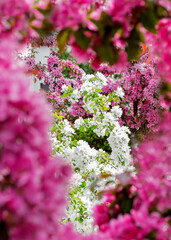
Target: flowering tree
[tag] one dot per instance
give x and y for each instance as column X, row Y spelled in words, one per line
column 111, row 33
column 97, row 146
column 140, row 82
column 84, row 124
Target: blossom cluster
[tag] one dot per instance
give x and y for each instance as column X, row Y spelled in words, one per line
column 113, row 26
column 56, row 73
column 161, row 41
column 24, row 19
column 141, row 110
column 32, row 184
column 96, row 146
column 141, row 84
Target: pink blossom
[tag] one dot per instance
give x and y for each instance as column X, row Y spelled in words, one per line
column 32, row 185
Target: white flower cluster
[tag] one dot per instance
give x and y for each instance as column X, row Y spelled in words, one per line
column 96, row 146
column 118, row 135
column 91, row 82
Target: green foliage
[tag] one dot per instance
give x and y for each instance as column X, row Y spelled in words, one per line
column 133, row 48
column 93, row 140
column 149, row 19
column 86, row 67
column 63, row 38
column 81, row 39
column 68, row 92
column 107, row 52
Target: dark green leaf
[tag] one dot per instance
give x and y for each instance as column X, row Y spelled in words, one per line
column 161, row 11
column 107, row 53
column 45, row 11
column 81, row 39
column 105, row 18
column 126, row 205
column 63, row 38
column 149, row 20
column 133, row 48
column 152, row 235
column 45, row 29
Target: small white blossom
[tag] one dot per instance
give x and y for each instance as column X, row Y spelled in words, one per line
column 78, row 123
column 117, row 111
column 120, row 92
column 64, row 88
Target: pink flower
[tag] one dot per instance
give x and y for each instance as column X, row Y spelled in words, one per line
column 32, row 185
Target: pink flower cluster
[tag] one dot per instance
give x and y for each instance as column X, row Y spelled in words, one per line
column 141, row 83
column 57, row 73
column 121, row 12
column 32, row 185
column 94, row 27
column 13, row 16
column 70, row 13
column 25, row 18
column 161, row 46
column 154, row 160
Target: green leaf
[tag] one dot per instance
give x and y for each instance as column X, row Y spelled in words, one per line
column 60, row 117
column 116, row 29
column 126, row 205
column 70, row 88
column 64, row 95
column 105, row 18
column 152, row 235
column 93, row 127
column 80, row 220
column 149, row 19
column 46, row 28
column 59, row 138
column 107, row 133
column 78, row 199
column 98, row 90
column 99, row 25
column 107, row 53
column 133, row 48
column 77, row 169
column 63, row 37
column 83, row 184
column 45, row 11
column 161, row 12
column 81, row 39
column 104, row 24
column 86, row 98
column 84, row 93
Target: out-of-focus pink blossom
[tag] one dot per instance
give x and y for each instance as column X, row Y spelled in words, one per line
column 32, row 185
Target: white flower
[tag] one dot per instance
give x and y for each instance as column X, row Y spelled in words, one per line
column 78, row 122
column 120, row 92
column 117, row 111
column 64, row 88
column 76, row 94
column 102, row 77
column 87, row 77
column 67, row 128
